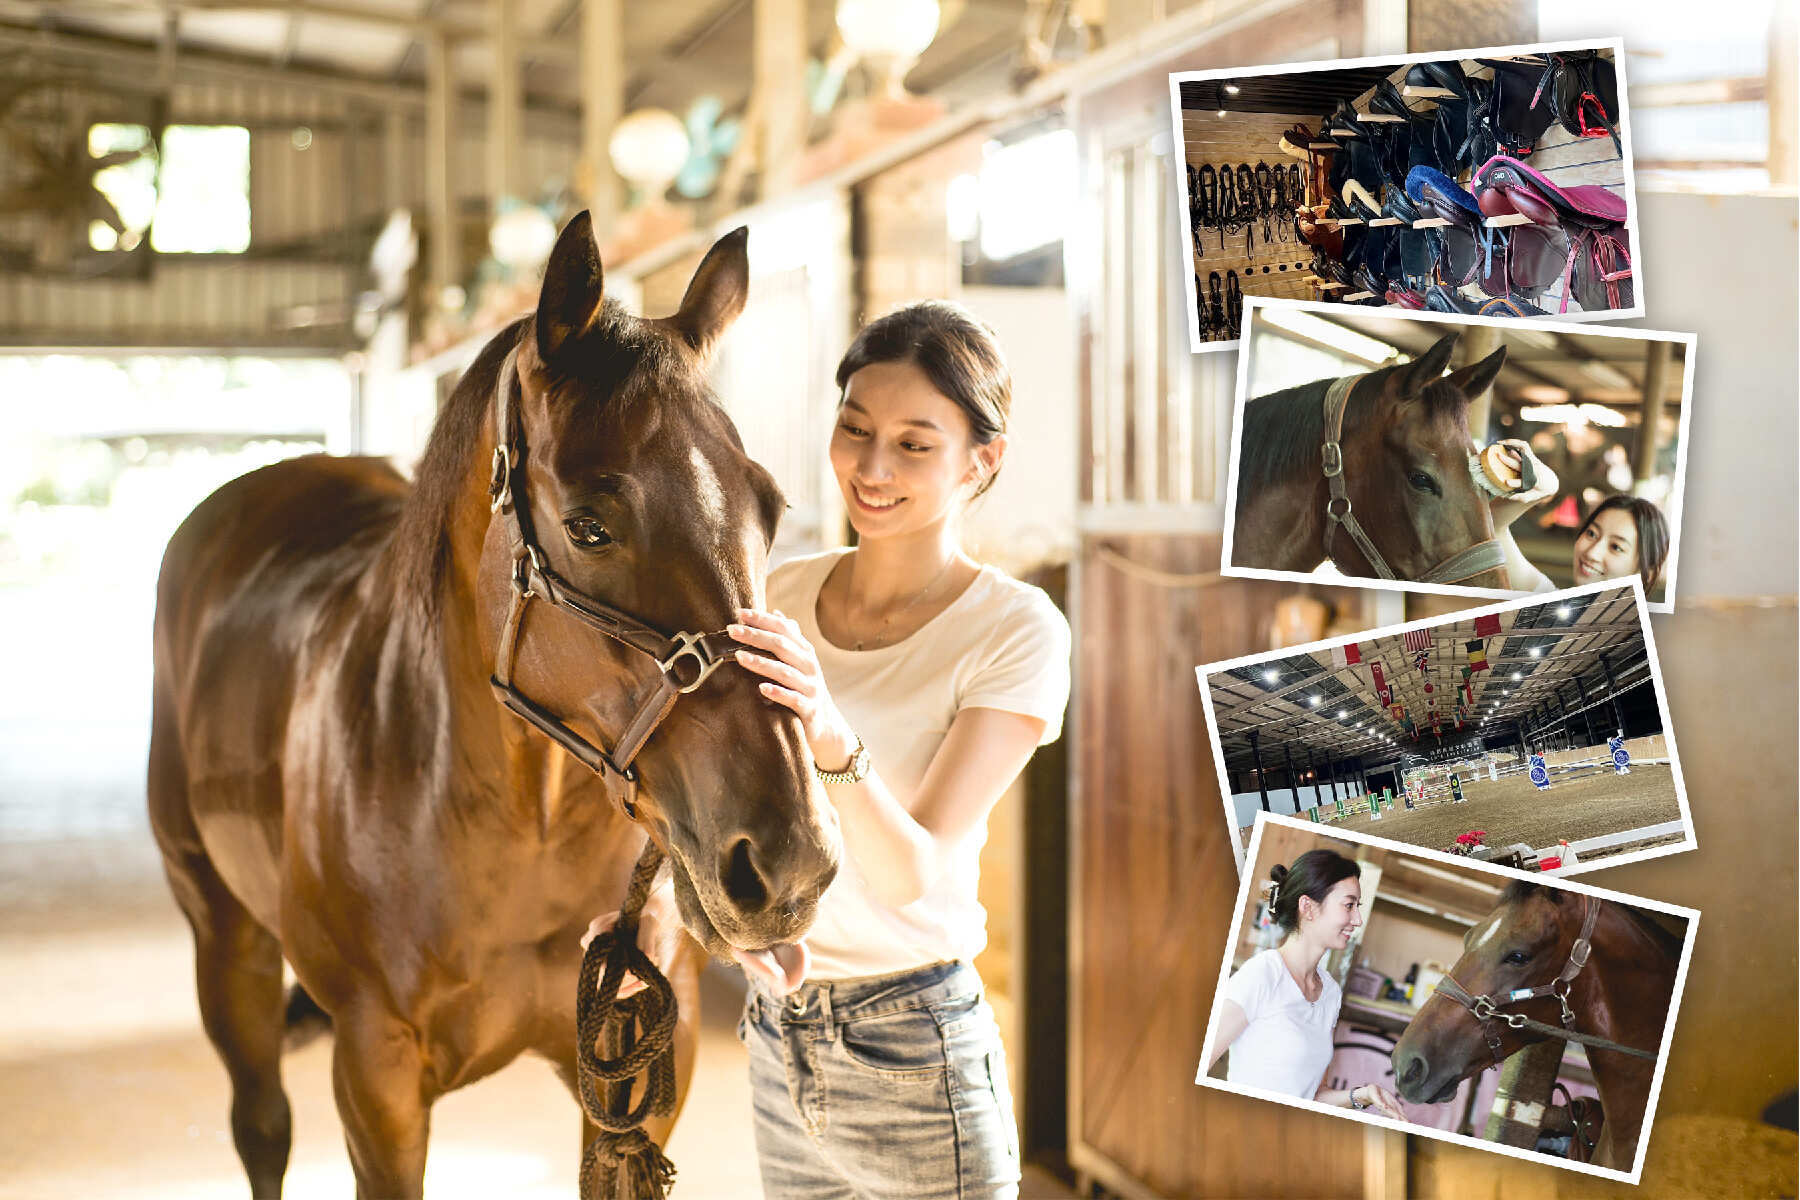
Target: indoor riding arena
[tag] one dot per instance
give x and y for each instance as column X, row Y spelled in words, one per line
column 271, row 240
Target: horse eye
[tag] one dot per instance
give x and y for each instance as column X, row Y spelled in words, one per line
column 587, row 533
column 1517, row 957
column 1423, row 483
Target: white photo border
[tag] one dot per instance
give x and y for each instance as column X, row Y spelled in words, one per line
column 1369, row 1117
column 1177, row 78
column 1252, row 313
column 1689, row 840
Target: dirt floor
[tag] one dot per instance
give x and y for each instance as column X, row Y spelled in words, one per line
column 1511, row 810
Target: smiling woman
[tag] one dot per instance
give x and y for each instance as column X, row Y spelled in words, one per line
column 1277, row 1013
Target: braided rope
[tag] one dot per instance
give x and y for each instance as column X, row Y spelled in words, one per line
column 638, row 1038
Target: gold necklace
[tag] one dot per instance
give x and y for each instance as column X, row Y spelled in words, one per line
column 881, row 632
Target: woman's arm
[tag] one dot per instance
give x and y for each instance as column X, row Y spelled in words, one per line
column 1232, row 1023
column 900, row 851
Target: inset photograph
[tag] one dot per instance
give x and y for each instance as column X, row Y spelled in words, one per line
column 1447, row 998
column 1548, row 457
column 1483, row 181
column 1535, row 734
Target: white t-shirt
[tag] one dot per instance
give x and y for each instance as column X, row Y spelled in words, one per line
column 1287, row 1045
column 1000, row 644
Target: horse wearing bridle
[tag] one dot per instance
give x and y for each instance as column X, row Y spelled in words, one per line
column 1548, row 963
column 1374, row 473
column 405, row 736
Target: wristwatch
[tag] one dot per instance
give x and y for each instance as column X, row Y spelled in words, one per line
column 855, row 771
column 1359, row 1105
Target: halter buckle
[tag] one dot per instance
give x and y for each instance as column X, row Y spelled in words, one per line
column 1333, row 454
column 500, row 481
column 1578, row 956
column 688, row 646
column 525, row 559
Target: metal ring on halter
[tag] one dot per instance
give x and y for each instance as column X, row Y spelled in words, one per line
column 689, row 646
column 1334, row 513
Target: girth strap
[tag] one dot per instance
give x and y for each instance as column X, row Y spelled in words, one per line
column 1464, row 564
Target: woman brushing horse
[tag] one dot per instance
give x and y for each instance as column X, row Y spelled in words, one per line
column 1549, row 963
column 1371, row 473
column 376, row 708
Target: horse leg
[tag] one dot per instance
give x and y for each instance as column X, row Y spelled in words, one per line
column 379, row 1076
column 237, row 971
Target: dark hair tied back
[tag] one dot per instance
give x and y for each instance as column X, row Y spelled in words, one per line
column 1313, row 875
column 958, row 353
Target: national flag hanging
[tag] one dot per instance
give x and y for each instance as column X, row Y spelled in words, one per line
column 1488, row 626
column 1398, row 712
column 1422, row 661
column 1383, row 693
column 1352, row 654
column 1477, row 655
column 1418, row 639
column 1469, row 691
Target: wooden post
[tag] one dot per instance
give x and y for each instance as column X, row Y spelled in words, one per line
column 1262, row 784
column 1287, row 751
column 440, row 186
column 602, row 104
column 1525, row 1089
column 396, row 188
column 1479, row 341
column 1587, row 714
column 1649, row 439
column 504, row 107
column 1612, row 688
column 1784, row 139
column 778, row 53
column 1318, row 792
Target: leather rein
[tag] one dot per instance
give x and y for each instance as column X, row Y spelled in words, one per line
column 683, row 660
column 1486, row 1009
column 1464, row 564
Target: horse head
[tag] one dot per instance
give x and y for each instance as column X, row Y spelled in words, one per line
column 640, row 497
column 1407, row 465
column 1522, row 944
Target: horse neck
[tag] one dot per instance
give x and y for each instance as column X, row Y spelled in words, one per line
column 1625, row 967
column 1283, row 527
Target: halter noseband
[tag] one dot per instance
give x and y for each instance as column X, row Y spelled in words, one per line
column 1486, row 1009
column 684, row 660
column 1464, row 564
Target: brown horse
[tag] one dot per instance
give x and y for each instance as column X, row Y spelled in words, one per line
column 1620, row 992
column 1405, row 475
column 333, row 781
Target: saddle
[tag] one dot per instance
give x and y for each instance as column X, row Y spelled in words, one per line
column 1455, row 248
column 1582, row 85
column 1410, row 259
column 1518, row 112
column 1580, row 1119
column 1582, row 226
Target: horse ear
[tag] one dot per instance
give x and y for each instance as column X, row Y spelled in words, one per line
column 1428, row 366
column 572, row 290
column 1477, row 377
column 716, row 294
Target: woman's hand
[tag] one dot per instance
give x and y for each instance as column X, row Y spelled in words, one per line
column 659, row 934
column 1379, row 1099
column 792, row 678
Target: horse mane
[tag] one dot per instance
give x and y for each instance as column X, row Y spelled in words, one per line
column 1284, row 430
column 1664, row 941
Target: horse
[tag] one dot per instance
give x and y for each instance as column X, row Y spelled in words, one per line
column 1551, row 963
column 367, row 750
column 1386, row 457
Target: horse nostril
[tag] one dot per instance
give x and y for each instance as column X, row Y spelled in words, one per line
column 743, row 882
column 1413, row 1071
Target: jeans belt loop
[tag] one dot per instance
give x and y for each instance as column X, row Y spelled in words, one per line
column 827, row 1017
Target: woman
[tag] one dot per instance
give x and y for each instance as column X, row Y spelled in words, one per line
column 1279, row 1009
column 923, row 682
column 1621, row 536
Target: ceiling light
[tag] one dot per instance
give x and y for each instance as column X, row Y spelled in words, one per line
column 1271, row 675
column 1516, row 676
column 1327, row 333
column 1537, row 652
column 1562, row 610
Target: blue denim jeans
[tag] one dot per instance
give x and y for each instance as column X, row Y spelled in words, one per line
column 891, row 1087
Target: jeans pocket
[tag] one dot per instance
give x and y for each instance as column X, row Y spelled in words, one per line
column 901, row 1046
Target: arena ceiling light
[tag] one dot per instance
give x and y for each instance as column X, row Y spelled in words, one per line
column 1537, row 652
column 1271, row 675
column 1516, row 678
column 1563, row 611
column 1574, row 414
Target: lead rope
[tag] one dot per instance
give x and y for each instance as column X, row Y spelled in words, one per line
column 638, row 1032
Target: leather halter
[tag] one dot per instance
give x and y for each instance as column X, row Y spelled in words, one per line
column 1486, row 1008
column 1464, row 564
column 684, row 661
